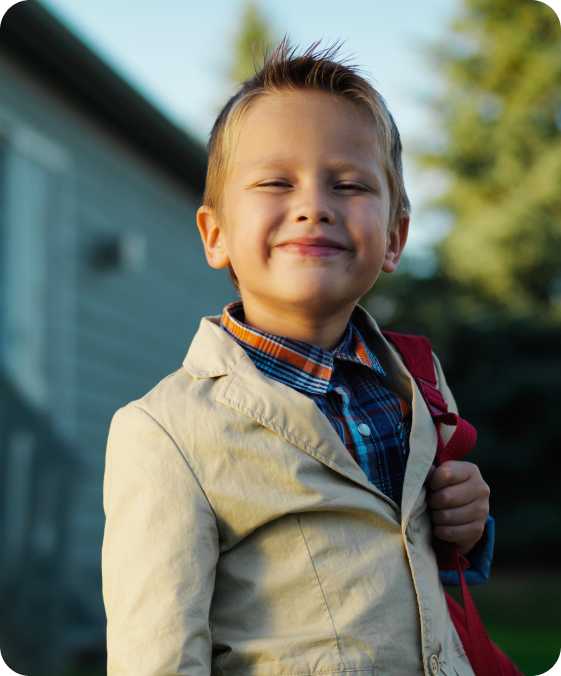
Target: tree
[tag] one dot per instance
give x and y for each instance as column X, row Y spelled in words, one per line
column 500, row 149
column 490, row 309
column 253, row 39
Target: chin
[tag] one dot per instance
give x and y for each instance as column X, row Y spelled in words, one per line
column 314, row 303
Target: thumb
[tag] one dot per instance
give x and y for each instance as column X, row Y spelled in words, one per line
column 429, row 475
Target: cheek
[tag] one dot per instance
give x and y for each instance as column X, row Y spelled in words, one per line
column 260, row 219
column 250, row 244
column 370, row 230
column 256, row 210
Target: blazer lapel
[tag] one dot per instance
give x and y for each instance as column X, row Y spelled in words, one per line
column 422, row 450
column 422, row 440
column 292, row 416
column 297, row 419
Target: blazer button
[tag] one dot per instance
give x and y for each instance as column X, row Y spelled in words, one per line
column 434, row 664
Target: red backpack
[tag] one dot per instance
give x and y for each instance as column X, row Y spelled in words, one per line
column 485, row 657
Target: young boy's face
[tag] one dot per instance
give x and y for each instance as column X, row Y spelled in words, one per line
column 306, row 207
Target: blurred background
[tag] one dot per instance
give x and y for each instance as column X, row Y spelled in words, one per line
column 104, row 116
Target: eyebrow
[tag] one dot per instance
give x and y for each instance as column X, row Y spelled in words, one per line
column 334, row 165
column 274, row 162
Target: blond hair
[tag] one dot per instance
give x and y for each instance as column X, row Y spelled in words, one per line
column 284, row 70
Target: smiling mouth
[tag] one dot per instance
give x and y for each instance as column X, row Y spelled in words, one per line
column 312, row 249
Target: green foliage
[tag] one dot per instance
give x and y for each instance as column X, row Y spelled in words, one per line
column 492, row 309
column 500, row 150
column 253, row 39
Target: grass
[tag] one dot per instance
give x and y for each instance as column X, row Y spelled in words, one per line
column 522, row 613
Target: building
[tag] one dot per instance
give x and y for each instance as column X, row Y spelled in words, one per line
column 103, row 284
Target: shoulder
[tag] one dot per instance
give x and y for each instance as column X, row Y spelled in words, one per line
column 186, row 408
column 177, row 395
column 181, row 409
column 150, row 459
column 184, row 401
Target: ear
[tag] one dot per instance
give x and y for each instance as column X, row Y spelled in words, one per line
column 212, row 235
column 397, row 237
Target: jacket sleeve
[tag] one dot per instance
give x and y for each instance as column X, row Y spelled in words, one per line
column 481, row 556
column 159, row 553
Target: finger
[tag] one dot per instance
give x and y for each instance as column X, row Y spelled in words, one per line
column 452, row 472
column 460, row 535
column 429, row 474
column 459, row 495
column 452, row 496
column 475, row 512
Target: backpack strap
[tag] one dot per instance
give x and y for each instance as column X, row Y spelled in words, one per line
column 416, row 352
column 485, row 657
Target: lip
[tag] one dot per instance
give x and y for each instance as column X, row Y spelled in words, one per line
column 314, row 247
column 314, row 242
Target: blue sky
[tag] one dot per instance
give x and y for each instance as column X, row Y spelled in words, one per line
column 176, row 53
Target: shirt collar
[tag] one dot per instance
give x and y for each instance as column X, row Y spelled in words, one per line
column 306, row 367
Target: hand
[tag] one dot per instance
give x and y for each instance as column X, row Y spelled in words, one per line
column 459, row 502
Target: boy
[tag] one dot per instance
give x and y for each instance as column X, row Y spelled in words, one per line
column 266, row 508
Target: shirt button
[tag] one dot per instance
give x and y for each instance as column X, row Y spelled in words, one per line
column 434, row 664
column 364, row 429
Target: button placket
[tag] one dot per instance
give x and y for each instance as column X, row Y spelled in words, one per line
column 363, row 428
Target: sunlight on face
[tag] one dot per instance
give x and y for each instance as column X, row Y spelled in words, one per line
column 306, row 204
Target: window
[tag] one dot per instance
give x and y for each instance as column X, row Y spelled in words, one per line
column 31, row 178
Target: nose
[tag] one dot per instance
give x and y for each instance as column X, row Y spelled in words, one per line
column 315, row 207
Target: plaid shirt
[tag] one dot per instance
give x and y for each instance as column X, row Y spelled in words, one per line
column 347, row 384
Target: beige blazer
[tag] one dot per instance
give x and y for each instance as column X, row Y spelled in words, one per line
column 242, row 539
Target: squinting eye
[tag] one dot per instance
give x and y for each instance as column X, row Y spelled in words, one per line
column 344, row 186
column 351, row 186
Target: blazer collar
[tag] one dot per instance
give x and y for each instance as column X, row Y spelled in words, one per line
column 212, row 352
column 296, row 418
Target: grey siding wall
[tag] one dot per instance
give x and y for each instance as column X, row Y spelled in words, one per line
column 105, row 285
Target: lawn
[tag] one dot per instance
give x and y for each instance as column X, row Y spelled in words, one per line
column 522, row 613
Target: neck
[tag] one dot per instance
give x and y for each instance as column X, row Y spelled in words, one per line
column 314, row 329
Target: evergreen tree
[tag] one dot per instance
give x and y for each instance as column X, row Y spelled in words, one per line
column 500, row 148
column 254, row 38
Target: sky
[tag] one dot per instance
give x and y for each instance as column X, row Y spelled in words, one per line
column 176, row 54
